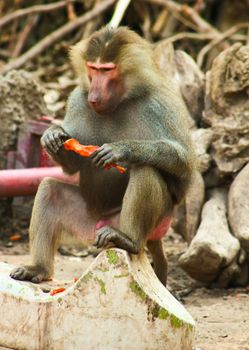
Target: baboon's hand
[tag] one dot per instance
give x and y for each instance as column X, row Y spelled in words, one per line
column 53, row 139
column 107, row 235
column 108, row 154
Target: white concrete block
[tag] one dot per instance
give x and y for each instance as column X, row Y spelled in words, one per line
column 117, row 303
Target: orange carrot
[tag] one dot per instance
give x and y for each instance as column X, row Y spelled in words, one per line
column 57, row 290
column 86, row 151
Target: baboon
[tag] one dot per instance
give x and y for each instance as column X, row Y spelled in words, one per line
column 123, row 104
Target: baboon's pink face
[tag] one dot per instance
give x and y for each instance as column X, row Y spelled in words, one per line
column 106, row 87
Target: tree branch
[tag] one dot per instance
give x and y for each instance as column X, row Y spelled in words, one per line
column 119, row 13
column 56, row 35
column 188, row 13
column 188, row 35
column 33, row 10
column 218, row 40
column 23, row 37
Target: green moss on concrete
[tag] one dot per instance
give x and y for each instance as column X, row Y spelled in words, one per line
column 112, row 257
column 190, row 327
column 159, row 312
column 103, row 269
column 101, row 284
column 155, row 310
column 137, row 290
column 122, row 275
column 87, row 277
column 175, row 321
column 163, row 314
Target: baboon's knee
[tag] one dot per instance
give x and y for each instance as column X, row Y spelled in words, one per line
column 48, row 191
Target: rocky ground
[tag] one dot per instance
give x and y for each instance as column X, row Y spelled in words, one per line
column 222, row 315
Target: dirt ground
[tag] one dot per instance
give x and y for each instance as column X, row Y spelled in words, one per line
column 222, row 316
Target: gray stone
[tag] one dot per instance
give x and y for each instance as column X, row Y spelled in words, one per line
column 213, row 248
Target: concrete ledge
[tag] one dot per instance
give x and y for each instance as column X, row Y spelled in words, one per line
column 118, row 303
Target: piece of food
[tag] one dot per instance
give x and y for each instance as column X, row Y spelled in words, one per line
column 86, row 151
column 15, row 237
column 57, row 290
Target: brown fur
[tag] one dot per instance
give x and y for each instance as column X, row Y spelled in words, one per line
column 121, row 47
column 146, row 133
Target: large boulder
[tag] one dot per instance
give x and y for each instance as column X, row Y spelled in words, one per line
column 227, row 108
column 21, row 99
column 238, row 207
column 213, row 248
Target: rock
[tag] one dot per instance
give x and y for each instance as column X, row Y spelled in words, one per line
column 184, row 76
column 57, row 107
column 187, row 216
column 51, row 97
column 214, row 178
column 202, row 139
column 194, row 203
column 235, row 274
column 191, row 81
column 227, row 275
column 213, row 248
column 241, row 279
column 238, row 207
column 21, row 98
column 165, row 57
column 227, row 108
column 66, row 83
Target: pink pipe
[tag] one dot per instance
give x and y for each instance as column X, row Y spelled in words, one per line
column 24, row 182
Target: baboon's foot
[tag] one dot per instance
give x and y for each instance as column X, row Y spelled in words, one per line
column 35, row 274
